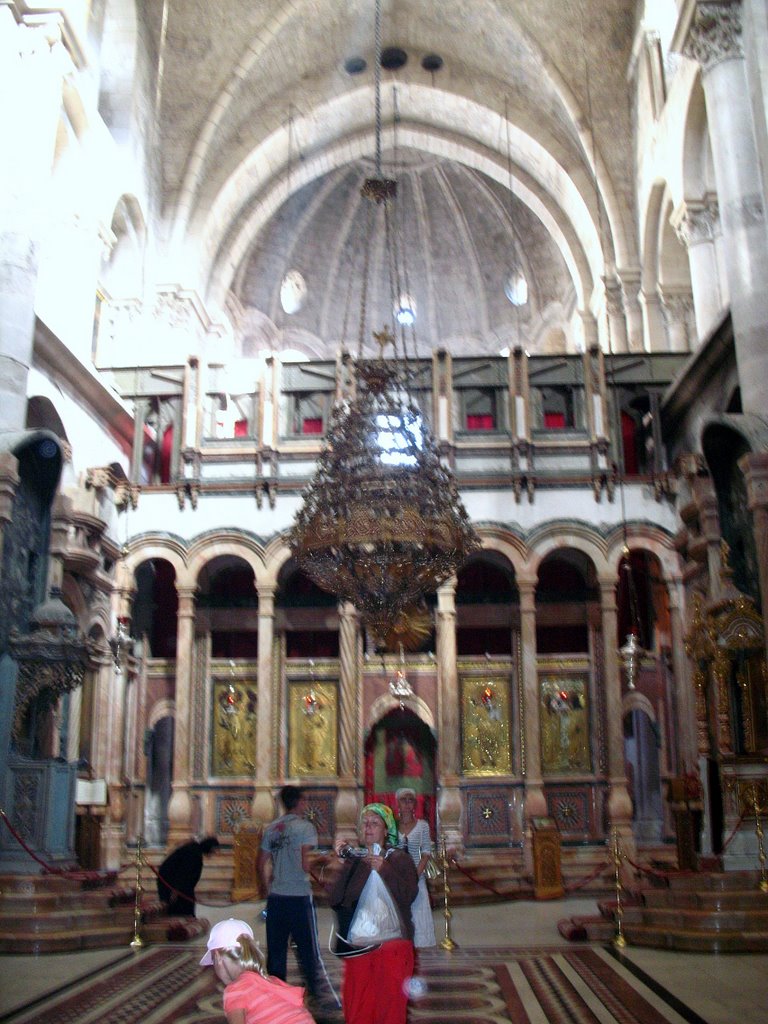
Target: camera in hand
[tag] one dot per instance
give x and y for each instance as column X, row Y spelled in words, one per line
column 348, row 852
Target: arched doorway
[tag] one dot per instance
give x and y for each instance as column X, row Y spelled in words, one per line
column 400, row 751
column 643, row 767
column 158, row 747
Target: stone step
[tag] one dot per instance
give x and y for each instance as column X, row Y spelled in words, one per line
column 103, row 936
column 673, row 920
column 72, row 919
column 716, row 881
column 712, row 900
column 704, row 941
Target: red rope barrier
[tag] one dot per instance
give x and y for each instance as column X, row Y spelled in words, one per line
column 588, row 878
column 522, row 894
column 77, row 875
column 246, row 899
column 736, row 828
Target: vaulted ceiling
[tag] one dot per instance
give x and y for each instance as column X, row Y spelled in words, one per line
column 519, row 142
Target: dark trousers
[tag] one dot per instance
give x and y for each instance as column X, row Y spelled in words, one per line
column 293, row 917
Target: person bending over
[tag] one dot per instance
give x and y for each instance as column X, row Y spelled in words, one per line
column 250, row 995
column 179, row 874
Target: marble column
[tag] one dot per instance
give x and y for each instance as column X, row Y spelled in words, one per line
column 684, row 705
column 677, row 309
column 180, row 804
column 712, row 35
column 630, row 287
column 449, row 803
column 617, row 323
column 754, row 466
column 263, row 806
column 696, row 224
column 535, row 802
column 589, row 329
column 350, row 724
column 619, row 802
column 655, row 331
column 33, row 62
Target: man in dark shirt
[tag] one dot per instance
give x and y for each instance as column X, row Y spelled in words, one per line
column 179, row 874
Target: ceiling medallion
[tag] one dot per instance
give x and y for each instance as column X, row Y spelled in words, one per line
column 382, row 522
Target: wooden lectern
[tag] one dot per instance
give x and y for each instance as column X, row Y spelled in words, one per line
column 547, row 874
column 245, row 886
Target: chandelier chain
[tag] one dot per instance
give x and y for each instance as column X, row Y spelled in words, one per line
column 377, row 86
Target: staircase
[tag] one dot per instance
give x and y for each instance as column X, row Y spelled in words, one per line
column 704, row 912
column 53, row 914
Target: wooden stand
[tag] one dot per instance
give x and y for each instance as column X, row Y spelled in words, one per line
column 246, row 851
column 547, row 873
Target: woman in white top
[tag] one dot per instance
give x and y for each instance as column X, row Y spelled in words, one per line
column 413, row 835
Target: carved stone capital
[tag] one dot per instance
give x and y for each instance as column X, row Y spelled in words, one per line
column 696, row 222
column 614, row 298
column 755, row 468
column 677, row 306
column 714, row 34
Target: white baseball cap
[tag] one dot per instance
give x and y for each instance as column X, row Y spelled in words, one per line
column 224, row 935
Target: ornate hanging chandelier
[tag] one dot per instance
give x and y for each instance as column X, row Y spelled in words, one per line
column 381, row 523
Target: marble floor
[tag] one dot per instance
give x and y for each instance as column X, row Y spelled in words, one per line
column 718, row 989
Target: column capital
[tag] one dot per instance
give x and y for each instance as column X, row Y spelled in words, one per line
column 266, row 601
column 676, row 304
column 614, row 297
column 348, row 611
column 608, row 585
column 186, row 597
column 709, row 32
column 526, row 588
column 754, row 466
column 696, row 221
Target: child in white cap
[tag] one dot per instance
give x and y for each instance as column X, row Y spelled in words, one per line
column 251, row 996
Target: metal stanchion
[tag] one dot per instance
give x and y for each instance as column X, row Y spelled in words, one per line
column 619, row 941
column 137, row 942
column 447, row 942
column 759, row 833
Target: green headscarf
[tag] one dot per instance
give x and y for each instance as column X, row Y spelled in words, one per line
column 385, row 813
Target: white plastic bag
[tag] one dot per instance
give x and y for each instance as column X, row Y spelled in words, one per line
column 376, row 917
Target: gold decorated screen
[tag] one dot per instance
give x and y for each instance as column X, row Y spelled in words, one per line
column 485, row 726
column 234, row 727
column 564, row 723
column 312, row 728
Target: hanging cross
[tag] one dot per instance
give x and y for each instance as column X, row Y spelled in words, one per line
column 383, row 338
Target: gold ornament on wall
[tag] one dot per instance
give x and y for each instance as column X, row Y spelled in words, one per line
column 564, row 724
column 234, row 726
column 313, row 728
column 485, row 727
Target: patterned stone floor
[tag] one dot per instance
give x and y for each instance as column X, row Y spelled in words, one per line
column 492, row 985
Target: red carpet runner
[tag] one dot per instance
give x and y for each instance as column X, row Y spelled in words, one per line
column 492, row 985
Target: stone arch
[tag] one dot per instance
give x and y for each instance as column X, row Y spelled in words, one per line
column 697, row 163
column 562, row 208
column 140, row 549
column 502, row 541
column 634, row 700
column 724, row 442
column 222, row 543
column 42, row 415
column 401, row 749
column 386, row 703
column 122, row 269
column 562, row 535
column 118, row 48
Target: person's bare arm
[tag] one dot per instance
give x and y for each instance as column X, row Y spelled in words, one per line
column 422, row 864
column 305, row 852
column 235, row 1017
column 264, row 871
